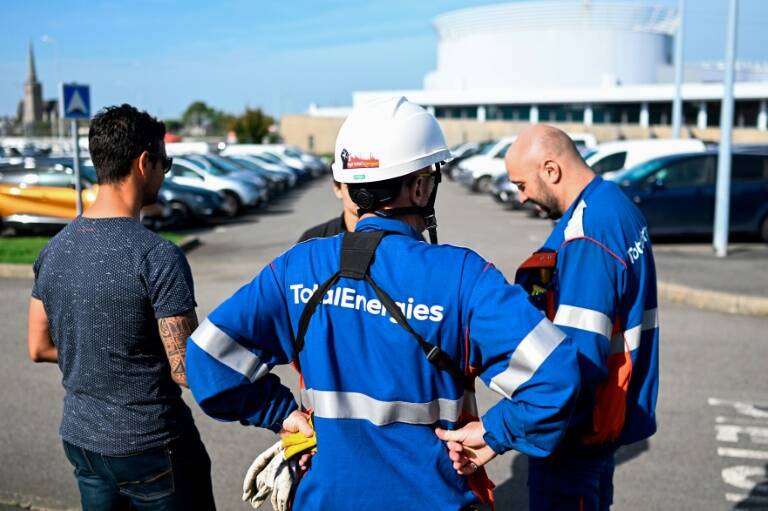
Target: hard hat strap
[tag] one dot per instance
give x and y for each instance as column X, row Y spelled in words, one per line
column 427, row 212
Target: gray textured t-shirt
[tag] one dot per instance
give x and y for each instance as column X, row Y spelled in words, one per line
column 104, row 283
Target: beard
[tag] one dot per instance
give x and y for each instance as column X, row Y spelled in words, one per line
column 548, row 203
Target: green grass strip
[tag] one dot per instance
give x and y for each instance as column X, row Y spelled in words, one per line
column 24, row 249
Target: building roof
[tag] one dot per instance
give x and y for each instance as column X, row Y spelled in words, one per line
column 614, row 94
column 548, row 15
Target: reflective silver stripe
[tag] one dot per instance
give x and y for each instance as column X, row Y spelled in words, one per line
column 630, row 339
column 354, row 405
column 584, row 319
column 532, row 351
column 227, row 351
column 575, row 226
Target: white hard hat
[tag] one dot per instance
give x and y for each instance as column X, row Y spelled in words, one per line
column 385, row 139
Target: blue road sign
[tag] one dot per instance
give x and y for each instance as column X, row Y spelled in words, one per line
column 76, row 101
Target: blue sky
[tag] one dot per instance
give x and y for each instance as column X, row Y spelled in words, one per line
column 279, row 55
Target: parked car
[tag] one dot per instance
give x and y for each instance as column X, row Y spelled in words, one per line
column 460, row 153
column 270, row 154
column 677, row 193
column 583, row 141
column 237, row 194
column 274, row 183
column 479, row 171
column 191, row 204
column 213, row 163
column 609, row 158
column 504, row 191
column 44, row 198
column 272, row 169
column 185, row 148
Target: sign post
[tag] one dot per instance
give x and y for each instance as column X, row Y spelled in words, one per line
column 76, row 104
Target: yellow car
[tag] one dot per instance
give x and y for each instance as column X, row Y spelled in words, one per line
column 40, row 198
column 43, row 198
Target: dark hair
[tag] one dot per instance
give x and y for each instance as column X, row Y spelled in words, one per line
column 118, row 134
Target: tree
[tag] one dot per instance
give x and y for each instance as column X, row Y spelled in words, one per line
column 252, row 126
column 200, row 116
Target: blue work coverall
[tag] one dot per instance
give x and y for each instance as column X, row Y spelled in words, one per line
column 374, row 396
column 605, row 299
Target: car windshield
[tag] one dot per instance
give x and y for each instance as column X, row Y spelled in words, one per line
column 641, row 171
column 248, row 164
column 586, row 152
column 486, row 147
column 269, row 157
column 293, row 153
column 223, row 163
column 209, row 166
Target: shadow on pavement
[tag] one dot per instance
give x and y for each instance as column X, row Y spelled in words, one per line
column 758, row 497
column 512, row 495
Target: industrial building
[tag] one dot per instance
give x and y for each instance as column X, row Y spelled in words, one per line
column 598, row 66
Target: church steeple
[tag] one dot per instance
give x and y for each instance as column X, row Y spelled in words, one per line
column 33, row 94
column 32, row 76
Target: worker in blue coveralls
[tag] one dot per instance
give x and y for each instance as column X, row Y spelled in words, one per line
column 388, row 332
column 595, row 278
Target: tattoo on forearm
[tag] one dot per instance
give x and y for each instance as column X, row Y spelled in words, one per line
column 174, row 332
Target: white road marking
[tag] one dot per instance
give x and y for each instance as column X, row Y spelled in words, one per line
column 748, row 409
column 731, row 432
column 743, row 477
column 730, row 452
column 743, row 421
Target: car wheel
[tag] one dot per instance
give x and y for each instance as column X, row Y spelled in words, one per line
column 231, row 204
column 483, row 184
column 180, row 211
column 764, row 229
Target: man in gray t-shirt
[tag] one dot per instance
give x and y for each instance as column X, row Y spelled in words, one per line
column 113, row 304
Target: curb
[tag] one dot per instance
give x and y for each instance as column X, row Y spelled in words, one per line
column 714, row 300
column 16, row 271
column 24, row 271
column 188, row 243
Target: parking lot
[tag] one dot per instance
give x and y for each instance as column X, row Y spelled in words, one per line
column 709, row 453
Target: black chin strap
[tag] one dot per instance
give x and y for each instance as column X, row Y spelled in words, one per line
column 426, row 212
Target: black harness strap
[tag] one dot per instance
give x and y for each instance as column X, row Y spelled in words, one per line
column 357, row 251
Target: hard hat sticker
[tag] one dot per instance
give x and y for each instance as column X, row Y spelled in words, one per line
column 356, row 162
column 359, row 176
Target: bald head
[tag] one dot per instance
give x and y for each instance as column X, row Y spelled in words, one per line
column 547, row 168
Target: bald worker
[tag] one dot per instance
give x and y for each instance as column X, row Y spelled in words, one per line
column 595, row 277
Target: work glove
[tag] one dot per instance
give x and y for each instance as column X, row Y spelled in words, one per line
column 276, row 472
column 270, row 475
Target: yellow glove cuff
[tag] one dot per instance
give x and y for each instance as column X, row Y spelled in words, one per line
column 294, row 443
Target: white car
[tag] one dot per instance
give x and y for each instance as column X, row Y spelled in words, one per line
column 609, row 158
column 237, row 193
column 291, row 156
column 478, row 172
column 184, row 148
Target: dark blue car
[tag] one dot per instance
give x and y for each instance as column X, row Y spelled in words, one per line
column 677, row 193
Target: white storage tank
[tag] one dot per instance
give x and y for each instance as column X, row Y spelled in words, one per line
column 552, row 44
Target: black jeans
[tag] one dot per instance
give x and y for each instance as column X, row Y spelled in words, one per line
column 176, row 476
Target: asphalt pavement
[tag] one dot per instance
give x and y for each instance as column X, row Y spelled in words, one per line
column 710, row 452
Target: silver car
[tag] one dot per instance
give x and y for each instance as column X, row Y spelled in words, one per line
column 238, row 193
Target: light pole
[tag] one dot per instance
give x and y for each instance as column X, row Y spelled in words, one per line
column 723, row 190
column 677, row 104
